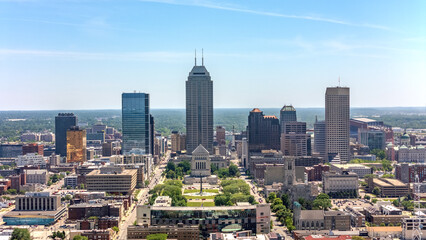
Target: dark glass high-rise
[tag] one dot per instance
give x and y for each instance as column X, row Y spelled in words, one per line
column 136, row 122
column 63, row 122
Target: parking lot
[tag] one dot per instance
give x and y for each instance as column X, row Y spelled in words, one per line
column 343, row 203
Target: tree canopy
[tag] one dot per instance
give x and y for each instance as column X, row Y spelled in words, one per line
column 20, row 234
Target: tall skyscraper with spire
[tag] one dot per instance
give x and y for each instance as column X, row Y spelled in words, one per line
column 337, row 122
column 199, row 109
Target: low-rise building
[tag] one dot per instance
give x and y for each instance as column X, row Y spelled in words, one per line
column 320, row 219
column 71, row 181
column 389, row 187
column 98, row 209
column 384, row 213
column 37, row 176
column 106, row 234
column 315, row 173
column 35, row 208
column 112, row 179
column 412, row 154
column 410, row 225
column 407, row 172
column 33, row 148
column 179, row 231
column 256, row 218
column 345, row 183
column 357, row 218
column 383, row 232
column 31, row 159
column 359, row 169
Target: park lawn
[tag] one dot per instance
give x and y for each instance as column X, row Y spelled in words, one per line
column 204, row 190
column 196, row 197
column 198, row 204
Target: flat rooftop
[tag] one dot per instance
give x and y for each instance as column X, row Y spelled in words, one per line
column 350, row 165
column 218, row 208
column 124, row 172
column 365, row 120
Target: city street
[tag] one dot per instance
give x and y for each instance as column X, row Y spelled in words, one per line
column 278, row 227
column 130, row 217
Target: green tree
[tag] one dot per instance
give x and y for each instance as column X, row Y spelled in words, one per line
column 322, row 201
column 171, row 174
column 387, row 165
column 20, row 234
column 278, row 207
column 271, row 197
column 12, row 191
column 286, row 200
column 380, row 154
column 115, row 229
column 289, row 224
column 157, row 236
column 357, row 238
column 221, row 200
column 367, row 176
column 79, row 237
column 233, row 170
column 185, row 165
column 277, row 201
column 170, row 166
column 213, row 168
column 58, row 234
column 376, row 191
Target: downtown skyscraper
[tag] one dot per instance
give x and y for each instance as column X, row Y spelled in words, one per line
column 63, row 122
column 199, row 109
column 136, row 122
column 337, row 110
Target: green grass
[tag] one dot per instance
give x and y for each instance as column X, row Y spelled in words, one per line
column 196, row 197
column 204, row 190
column 198, row 204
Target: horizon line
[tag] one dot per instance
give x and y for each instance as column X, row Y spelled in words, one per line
column 109, row 109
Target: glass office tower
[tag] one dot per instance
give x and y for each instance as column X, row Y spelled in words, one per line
column 63, row 122
column 135, row 122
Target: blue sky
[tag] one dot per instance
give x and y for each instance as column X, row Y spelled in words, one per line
column 84, row 54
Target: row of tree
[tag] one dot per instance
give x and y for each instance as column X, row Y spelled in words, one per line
column 179, row 171
column 224, row 173
column 234, row 190
column 171, row 188
column 281, row 207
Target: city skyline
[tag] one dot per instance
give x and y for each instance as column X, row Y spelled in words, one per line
column 47, row 58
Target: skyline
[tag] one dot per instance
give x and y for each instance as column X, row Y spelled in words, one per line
column 83, row 55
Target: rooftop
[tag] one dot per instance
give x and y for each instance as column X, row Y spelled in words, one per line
column 365, row 120
column 385, row 229
column 350, row 165
column 199, row 71
column 312, row 214
column 125, row 172
column 217, row 208
column 288, row 108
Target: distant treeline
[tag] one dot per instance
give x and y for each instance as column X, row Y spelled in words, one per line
column 167, row 120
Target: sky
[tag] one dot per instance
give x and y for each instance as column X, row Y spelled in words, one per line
column 80, row 54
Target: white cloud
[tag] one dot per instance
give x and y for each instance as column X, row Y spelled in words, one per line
column 206, row 4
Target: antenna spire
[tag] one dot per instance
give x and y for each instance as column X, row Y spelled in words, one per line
column 202, row 57
column 195, row 57
column 339, row 81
